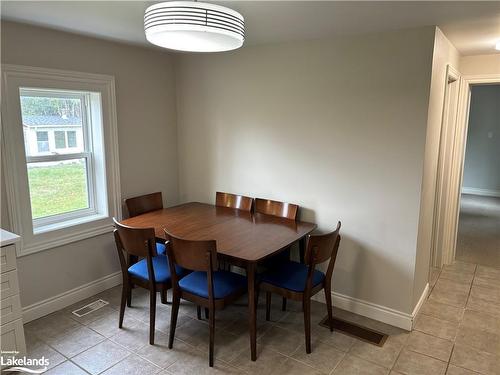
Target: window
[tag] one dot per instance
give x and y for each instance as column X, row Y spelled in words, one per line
column 60, row 181
column 61, row 155
column 60, row 138
column 42, row 141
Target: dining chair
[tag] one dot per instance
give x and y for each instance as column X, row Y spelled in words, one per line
column 152, row 272
column 204, row 286
column 143, row 204
column 239, row 202
column 283, row 210
column 300, row 281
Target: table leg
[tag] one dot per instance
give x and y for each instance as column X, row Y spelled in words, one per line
column 252, row 310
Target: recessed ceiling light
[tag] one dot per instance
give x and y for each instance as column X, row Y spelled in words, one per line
column 497, row 47
column 194, row 26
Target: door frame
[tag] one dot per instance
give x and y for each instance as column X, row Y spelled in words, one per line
column 450, row 171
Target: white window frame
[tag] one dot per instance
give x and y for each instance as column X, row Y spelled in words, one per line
column 104, row 201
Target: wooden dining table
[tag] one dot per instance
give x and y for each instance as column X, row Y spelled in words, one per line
column 243, row 238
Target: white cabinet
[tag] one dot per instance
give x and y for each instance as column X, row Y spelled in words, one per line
column 11, row 322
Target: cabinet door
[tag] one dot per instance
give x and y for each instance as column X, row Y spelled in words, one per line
column 13, row 337
column 8, row 258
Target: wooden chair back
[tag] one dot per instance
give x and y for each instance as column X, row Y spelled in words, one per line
column 192, row 255
column 135, row 241
column 320, row 248
column 276, row 208
column 239, row 202
column 144, row 203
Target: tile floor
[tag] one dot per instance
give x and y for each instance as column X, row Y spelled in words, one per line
column 457, row 332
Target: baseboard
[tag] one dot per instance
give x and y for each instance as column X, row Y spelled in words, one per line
column 370, row 310
column 52, row 304
column 420, row 302
column 483, row 192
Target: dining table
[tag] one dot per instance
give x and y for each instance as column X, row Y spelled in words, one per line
column 243, row 238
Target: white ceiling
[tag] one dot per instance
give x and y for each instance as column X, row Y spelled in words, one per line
column 473, row 27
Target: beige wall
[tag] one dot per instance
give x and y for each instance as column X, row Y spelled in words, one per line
column 481, row 64
column 337, row 126
column 444, row 53
column 147, row 140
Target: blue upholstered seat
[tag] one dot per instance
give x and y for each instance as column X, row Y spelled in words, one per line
column 160, row 266
column 291, row 276
column 160, row 248
column 225, row 283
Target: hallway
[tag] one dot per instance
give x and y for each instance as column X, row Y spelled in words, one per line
column 478, row 239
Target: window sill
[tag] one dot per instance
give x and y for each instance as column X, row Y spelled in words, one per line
column 87, row 227
column 68, row 223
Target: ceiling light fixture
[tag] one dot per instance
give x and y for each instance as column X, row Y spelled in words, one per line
column 497, row 47
column 194, row 27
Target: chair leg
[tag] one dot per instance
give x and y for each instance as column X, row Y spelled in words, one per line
column 173, row 319
column 307, row 323
column 129, row 294
column 328, row 298
column 122, row 304
column 152, row 316
column 198, row 312
column 211, row 322
column 268, row 306
column 283, row 304
column 206, row 313
column 163, row 296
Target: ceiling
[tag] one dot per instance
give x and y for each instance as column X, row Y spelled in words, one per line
column 473, row 27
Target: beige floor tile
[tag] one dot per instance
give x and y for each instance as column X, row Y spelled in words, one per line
column 196, row 362
column 75, row 341
column 86, row 319
column 412, row 363
column 482, row 321
column 385, row 355
column 446, row 285
column 281, row 340
column 336, row 339
column 457, row 276
column 487, row 294
column 240, row 327
column 133, row 365
column 323, row 357
column 486, row 282
column 475, row 360
column 478, row 304
column 108, row 325
column 101, row 357
column 453, row 298
column 66, row 368
column 293, row 367
column 478, row 339
column 488, row 272
column 226, row 345
column 194, row 332
column 51, row 326
column 36, row 348
column 434, row 275
column 436, row 327
column 462, row 267
column 352, row 365
column 454, row 370
column 267, row 362
column 442, row 311
column 160, row 355
column 430, row 345
column 132, row 336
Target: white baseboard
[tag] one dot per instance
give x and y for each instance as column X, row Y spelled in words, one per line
column 483, row 192
column 419, row 304
column 377, row 312
column 52, row 304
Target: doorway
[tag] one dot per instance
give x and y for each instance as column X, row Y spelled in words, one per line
column 478, row 237
column 450, row 175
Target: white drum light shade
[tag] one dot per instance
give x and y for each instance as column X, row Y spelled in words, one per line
column 193, row 26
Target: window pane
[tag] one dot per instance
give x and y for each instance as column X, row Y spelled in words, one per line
column 42, row 142
column 71, row 138
column 60, row 139
column 58, row 187
column 52, row 115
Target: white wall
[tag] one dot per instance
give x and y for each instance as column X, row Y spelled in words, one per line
column 337, row 126
column 444, row 53
column 147, row 137
column 480, row 64
column 482, row 154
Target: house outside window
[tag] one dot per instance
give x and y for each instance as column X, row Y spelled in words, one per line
column 42, row 141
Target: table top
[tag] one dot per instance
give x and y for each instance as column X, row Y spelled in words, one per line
column 239, row 234
column 8, row 238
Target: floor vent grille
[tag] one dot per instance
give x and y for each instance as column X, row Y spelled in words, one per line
column 352, row 329
column 90, row 308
